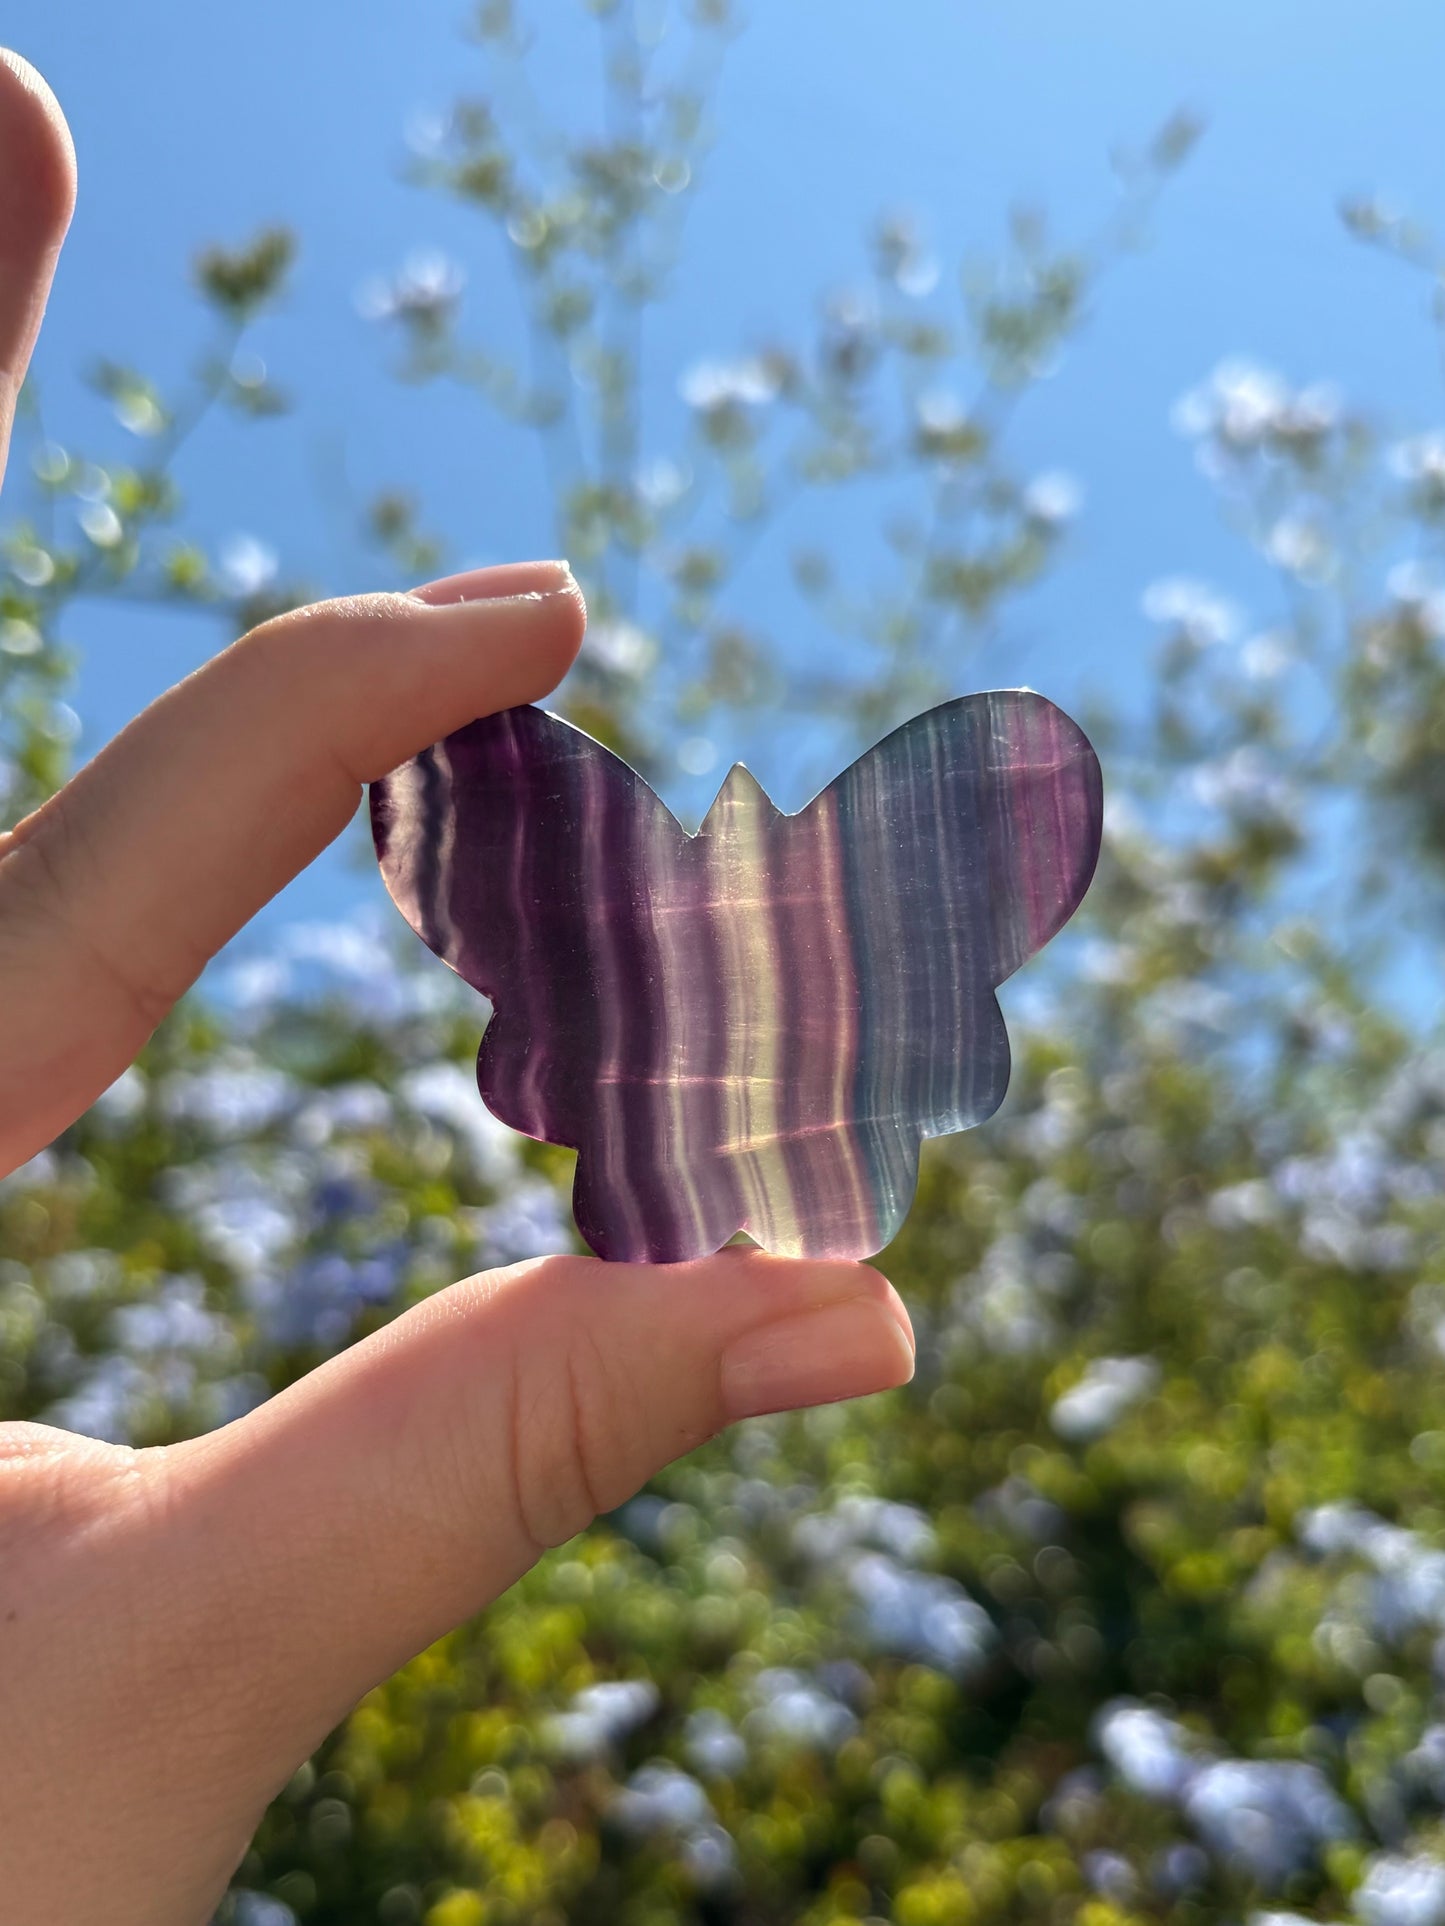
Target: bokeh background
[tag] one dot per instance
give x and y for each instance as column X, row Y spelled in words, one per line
column 856, row 357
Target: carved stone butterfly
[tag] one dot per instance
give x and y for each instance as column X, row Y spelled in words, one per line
column 753, row 1027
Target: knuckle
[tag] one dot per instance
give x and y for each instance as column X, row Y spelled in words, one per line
column 569, row 1454
column 47, row 876
column 361, row 644
column 53, row 1482
column 315, row 633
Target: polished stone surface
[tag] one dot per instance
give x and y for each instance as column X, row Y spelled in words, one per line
column 753, row 1027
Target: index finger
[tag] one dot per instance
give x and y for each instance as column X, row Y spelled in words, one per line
column 37, row 198
column 115, row 893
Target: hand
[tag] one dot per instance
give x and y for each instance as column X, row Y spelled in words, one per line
column 180, row 1627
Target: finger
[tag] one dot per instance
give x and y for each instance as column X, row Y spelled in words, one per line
column 325, row 1539
column 115, row 894
column 37, row 197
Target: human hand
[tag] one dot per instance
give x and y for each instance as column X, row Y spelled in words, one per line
column 180, row 1627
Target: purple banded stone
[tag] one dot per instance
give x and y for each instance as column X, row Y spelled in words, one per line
column 751, row 1028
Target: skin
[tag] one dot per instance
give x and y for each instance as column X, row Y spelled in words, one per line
column 179, row 1628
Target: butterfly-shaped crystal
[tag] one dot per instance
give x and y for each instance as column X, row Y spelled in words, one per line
column 753, row 1027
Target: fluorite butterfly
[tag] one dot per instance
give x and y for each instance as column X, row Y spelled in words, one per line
column 753, row 1027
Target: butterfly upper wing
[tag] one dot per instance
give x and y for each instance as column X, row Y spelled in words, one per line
column 970, row 837
column 520, row 850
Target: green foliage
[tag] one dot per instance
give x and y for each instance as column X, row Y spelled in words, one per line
column 239, row 282
column 903, row 388
column 1130, row 1607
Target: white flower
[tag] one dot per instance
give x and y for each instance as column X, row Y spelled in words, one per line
column 33, row 565
column 257, row 983
column 709, row 1854
column 661, row 1798
column 1243, row 405
column 854, row 310
column 344, row 1108
column 1421, row 458
column 600, row 1716
column 1299, row 545
column 1279, row 1919
column 246, row 1227
column 1108, row 1388
column 50, row 462
column 426, row 131
column 621, row 647
column 92, row 485
column 261, row 1909
column 1409, row 1593
column 139, row 412
column 174, row 1317
column 106, row 1403
column 428, row 285
column 1331, row 1529
column 1418, row 588
column 1151, row 1754
column 447, row 1094
column 750, row 382
column 696, row 755
column 660, row 1801
column 309, row 959
column 1413, row 582
column 61, row 723
column 999, row 1303
column 1053, row 498
column 247, row 369
column 1266, row 656
column 1314, row 410
column 1244, row 781
column 1400, row 1891
column 36, row 1172
column 530, row 1220
column 1252, row 1202
column 100, row 524
column 124, row 1100
column 20, row 638
column 1241, row 402
column 714, row 1747
column 661, row 482
column 1269, row 1817
column 790, row 1706
column 917, row 275
column 1110, row 1874
column 230, row 1100
column 246, row 566
column 341, row 949
column 858, row 1520
column 921, row 1615
column 1205, row 618
column 941, row 412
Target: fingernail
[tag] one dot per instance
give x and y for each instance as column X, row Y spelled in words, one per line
column 817, row 1357
column 492, row 584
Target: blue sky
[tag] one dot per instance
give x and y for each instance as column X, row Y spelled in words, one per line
column 195, row 122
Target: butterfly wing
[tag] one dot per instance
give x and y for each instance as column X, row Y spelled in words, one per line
column 860, row 943
column 522, row 851
column 970, row 836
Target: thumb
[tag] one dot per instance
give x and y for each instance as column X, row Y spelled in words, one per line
column 37, row 196
column 334, row 1533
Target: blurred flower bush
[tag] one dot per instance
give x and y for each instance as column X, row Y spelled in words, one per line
column 1132, row 1607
